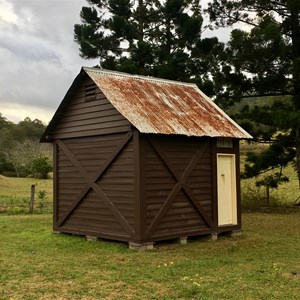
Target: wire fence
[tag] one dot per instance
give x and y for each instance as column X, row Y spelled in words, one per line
column 24, row 206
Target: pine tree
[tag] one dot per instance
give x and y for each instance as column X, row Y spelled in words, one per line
column 149, row 37
column 263, row 64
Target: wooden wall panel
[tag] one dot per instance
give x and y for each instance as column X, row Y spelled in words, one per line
column 200, row 181
column 93, row 213
column 181, row 218
column 89, row 118
column 158, row 183
column 172, row 212
column 69, row 183
column 118, row 183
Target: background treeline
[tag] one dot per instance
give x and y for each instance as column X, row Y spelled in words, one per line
column 21, row 154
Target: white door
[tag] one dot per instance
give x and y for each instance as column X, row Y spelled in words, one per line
column 227, row 206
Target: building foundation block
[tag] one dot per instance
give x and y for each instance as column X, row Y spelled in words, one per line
column 183, row 240
column 141, row 247
column 235, row 233
column 90, row 238
column 214, row 237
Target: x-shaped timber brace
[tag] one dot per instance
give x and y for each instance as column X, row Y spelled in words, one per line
column 180, row 185
column 91, row 183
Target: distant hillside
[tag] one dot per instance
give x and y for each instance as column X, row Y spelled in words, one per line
column 256, row 101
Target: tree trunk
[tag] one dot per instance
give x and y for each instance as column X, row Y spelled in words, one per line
column 298, row 154
column 16, row 169
column 268, row 195
column 141, row 10
column 296, row 77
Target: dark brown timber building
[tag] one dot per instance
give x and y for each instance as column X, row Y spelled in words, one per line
column 141, row 159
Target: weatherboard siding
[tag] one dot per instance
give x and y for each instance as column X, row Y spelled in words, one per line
column 181, row 217
column 92, row 214
column 89, row 118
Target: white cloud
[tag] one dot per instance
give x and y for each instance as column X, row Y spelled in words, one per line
column 38, row 56
column 16, row 112
column 7, row 15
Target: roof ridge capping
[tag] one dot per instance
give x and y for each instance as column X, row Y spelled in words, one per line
column 137, row 77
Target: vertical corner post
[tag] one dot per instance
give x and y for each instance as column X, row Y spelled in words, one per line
column 214, row 185
column 139, row 186
column 32, row 193
column 236, row 146
column 55, row 186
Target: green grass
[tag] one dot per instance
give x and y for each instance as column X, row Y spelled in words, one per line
column 20, row 187
column 35, row 264
column 287, row 194
column 15, row 194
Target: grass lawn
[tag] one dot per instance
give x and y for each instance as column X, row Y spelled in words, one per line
column 252, row 196
column 286, row 194
column 15, row 193
column 36, row 264
column 20, row 187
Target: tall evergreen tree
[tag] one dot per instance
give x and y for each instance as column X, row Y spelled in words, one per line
column 149, row 37
column 264, row 62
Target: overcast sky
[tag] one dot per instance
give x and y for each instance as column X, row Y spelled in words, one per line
column 38, row 57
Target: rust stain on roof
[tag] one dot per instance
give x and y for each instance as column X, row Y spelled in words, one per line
column 162, row 106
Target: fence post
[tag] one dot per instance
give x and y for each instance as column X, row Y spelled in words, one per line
column 32, row 198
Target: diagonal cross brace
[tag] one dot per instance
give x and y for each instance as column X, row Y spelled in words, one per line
column 181, row 184
column 91, row 183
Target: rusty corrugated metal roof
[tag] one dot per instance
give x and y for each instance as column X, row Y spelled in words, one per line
column 155, row 105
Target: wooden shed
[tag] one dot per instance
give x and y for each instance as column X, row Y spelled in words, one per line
column 141, row 159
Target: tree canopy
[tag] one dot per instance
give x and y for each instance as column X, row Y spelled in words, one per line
column 263, row 61
column 20, row 147
column 149, row 37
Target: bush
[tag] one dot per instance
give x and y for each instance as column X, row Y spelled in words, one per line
column 42, row 166
column 254, row 196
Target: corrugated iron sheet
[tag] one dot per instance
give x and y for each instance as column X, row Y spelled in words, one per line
column 161, row 106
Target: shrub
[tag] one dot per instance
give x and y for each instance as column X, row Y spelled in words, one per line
column 42, row 166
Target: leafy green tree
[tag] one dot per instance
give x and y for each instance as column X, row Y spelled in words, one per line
column 276, row 156
column 6, row 139
column 19, row 144
column 30, row 129
column 41, row 165
column 6, row 128
column 263, row 62
column 271, row 182
column 4, row 122
column 149, row 37
column 22, row 154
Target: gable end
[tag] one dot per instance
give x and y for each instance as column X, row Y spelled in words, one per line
column 90, row 91
column 85, row 111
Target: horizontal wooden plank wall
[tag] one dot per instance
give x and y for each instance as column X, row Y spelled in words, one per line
column 191, row 209
column 88, row 118
column 94, row 215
